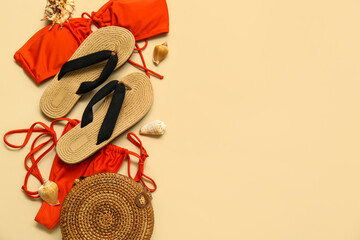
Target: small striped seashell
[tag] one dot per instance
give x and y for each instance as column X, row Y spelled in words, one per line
column 154, row 128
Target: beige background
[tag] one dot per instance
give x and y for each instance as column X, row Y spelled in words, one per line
column 262, row 103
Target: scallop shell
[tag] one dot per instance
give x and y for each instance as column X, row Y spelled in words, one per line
column 58, row 11
column 154, row 128
column 49, row 192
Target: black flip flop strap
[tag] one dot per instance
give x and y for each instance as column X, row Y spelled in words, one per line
column 88, row 60
column 108, row 125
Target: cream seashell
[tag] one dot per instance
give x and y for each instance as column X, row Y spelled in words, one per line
column 154, row 128
column 58, row 11
column 49, row 192
column 160, row 52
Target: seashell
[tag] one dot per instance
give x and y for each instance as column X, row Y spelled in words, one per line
column 58, row 11
column 49, row 192
column 154, row 128
column 160, row 52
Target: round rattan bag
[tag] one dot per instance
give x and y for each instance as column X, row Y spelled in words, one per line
column 107, row 206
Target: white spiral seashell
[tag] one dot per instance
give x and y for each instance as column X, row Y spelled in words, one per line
column 154, row 128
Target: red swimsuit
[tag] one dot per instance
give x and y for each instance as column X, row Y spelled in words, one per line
column 44, row 53
column 108, row 159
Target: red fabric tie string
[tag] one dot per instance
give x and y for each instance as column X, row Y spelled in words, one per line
column 140, row 176
column 147, row 71
column 45, row 131
column 90, row 17
column 143, row 47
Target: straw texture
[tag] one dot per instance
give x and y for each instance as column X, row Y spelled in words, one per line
column 103, row 206
column 60, row 96
column 80, row 143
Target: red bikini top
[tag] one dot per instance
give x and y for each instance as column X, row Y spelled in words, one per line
column 45, row 52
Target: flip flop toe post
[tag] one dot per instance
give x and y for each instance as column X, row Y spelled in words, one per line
column 97, row 57
column 125, row 102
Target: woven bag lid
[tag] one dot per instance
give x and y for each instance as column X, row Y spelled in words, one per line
column 107, row 206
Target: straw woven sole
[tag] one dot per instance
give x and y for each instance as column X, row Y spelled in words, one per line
column 80, row 143
column 103, row 206
column 60, row 96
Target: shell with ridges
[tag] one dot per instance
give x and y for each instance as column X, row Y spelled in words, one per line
column 154, row 128
column 49, row 192
column 58, row 11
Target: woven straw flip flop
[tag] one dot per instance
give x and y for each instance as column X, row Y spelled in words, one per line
column 125, row 103
column 97, row 57
column 107, row 206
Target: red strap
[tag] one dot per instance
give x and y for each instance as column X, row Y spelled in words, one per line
column 147, row 71
column 91, row 17
column 143, row 47
column 140, row 176
column 49, row 131
column 44, row 130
